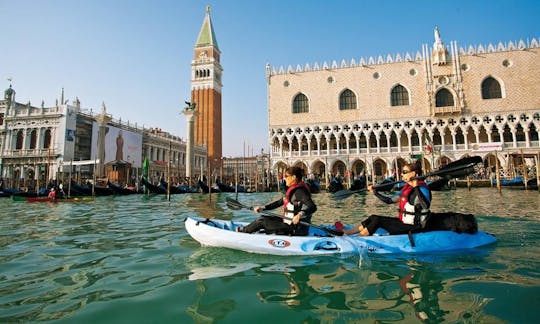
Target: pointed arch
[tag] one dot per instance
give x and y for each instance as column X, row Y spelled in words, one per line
column 533, row 132
column 495, row 135
column 300, row 104
column 437, row 140
column 471, row 135
column 482, row 135
column 382, row 140
column 404, row 139
column 460, row 138
column 520, row 133
column 347, row 100
column 393, row 139
column 372, row 140
column 399, row 96
column 444, row 98
column 415, row 139
column 491, row 88
column 507, row 134
column 362, row 141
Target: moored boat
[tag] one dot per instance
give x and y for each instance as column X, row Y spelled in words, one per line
column 222, row 233
column 119, row 190
column 56, row 200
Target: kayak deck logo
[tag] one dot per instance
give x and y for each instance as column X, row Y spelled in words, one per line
column 279, row 243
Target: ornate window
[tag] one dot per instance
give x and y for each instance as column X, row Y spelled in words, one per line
column 491, row 89
column 19, row 142
column 444, row 98
column 347, row 100
column 399, row 96
column 47, row 139
column 300, row 104
column 33, row 139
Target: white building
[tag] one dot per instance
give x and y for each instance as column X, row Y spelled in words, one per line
column 39, row 144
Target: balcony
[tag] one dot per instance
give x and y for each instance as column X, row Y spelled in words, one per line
column 30, row 153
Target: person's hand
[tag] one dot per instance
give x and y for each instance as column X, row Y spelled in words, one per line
column 370, row 188
column 296, row 218
column 258, row 209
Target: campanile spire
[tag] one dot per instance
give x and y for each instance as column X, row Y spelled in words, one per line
column 206, row 72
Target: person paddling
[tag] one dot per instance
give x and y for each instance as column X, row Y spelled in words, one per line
column 414, row 202
column 298, row 206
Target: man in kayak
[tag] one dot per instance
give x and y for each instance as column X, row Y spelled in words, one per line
column 414, row 202
column 298, row 206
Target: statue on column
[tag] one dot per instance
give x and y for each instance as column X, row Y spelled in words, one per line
column 190, row 106
column 437, row 35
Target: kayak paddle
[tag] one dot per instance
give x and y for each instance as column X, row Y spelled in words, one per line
column 236, row 205
column 454, row 169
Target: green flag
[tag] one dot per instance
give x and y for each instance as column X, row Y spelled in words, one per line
column 145, row 167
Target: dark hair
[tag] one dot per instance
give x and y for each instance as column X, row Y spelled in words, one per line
column 414, row 166
column 296, row 171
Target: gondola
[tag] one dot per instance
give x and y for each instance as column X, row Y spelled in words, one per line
column 119, row 190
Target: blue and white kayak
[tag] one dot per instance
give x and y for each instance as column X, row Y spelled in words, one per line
column 222, row 233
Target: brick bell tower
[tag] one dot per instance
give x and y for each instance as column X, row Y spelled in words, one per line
column 206, row 72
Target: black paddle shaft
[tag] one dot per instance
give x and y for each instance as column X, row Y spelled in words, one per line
column 459, row 167
column 454, row 169
column 236, row 205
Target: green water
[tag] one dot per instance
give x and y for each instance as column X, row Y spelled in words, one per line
column 130, row 260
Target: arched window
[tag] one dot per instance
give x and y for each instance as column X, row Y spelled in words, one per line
column 491, row 89
column 47, row 139
column 33, row 139
column 300, row 104
column 19, row 143
column 399, row 96
column 444, row 98
column 347, row 100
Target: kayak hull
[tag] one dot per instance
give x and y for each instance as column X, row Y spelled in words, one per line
column 222, row 233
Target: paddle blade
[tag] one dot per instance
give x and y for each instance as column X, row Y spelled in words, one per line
column 234, row 204
column 462, row 162
column 346, row 193
column 459, row 168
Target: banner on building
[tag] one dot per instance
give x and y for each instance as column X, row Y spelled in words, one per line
column 120, row 145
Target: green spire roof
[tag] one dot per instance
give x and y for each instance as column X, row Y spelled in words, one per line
column 207, row 37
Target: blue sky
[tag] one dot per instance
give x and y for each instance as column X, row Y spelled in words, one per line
column 136, row 55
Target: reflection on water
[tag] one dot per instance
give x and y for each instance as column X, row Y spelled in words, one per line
column 129, row 259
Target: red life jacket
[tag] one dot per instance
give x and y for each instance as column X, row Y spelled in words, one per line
column 404, row 197
column 288, row 194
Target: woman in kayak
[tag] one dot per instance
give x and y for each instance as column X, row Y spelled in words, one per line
column 298, row 206
column 414, row 202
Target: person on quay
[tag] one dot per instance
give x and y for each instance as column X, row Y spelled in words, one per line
column 298, row 206
column 414, row 202
column 52, row 194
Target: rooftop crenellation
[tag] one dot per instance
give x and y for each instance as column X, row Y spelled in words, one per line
column 470, row 50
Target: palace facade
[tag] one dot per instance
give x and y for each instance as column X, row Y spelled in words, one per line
column 40, row 144
column 373, row 115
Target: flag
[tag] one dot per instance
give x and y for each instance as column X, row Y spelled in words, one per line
column 429, row 146
column 145, row 167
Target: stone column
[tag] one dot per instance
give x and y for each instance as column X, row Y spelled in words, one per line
column 190, row 113
column 102, row 120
